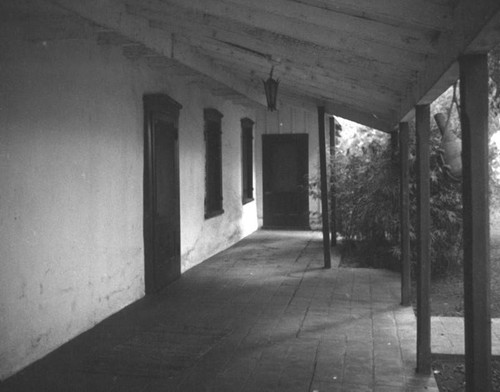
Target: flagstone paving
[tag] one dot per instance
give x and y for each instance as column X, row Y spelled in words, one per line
column 261, row 316
column 447, row 335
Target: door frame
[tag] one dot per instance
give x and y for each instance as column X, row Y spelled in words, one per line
column 271, row 138
column 155, row 106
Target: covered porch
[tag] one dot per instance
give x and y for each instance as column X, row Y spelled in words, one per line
column 261, row 316
column 76, row 73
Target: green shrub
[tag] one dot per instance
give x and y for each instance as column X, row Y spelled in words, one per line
column 365, row 178
column 366, row 183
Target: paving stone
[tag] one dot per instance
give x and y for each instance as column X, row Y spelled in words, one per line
column 389, row 388
column 326, row 386
column 354, row 387
column 261, row 316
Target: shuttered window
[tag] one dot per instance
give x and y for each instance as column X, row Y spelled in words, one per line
column 247, row 159
column 213, row 163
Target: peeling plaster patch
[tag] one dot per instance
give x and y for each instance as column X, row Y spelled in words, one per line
column 39, row 339
column 115, row 292
column 187, row 255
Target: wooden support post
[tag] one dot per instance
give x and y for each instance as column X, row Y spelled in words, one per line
column 404, row 131
column 324, row 187
column 477, row 317
column 333, row 198
column 423, row 241
column 394, row 145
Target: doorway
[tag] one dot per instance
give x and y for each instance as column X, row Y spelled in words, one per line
column 285, row 174
column 161, row 192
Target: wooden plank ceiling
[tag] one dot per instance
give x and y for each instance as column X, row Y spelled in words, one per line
column 365, row 60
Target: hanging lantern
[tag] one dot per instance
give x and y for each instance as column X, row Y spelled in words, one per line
column 271, row 89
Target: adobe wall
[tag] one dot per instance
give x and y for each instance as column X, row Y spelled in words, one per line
column 71, row 187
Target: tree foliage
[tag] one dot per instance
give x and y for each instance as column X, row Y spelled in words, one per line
column 365, row 176
column 366, row 182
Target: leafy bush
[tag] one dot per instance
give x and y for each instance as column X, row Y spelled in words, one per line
column 367, row 194
column 366, row 183
column 365, row 176
column 446, row 214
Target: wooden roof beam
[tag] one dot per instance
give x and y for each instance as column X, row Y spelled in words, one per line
column 248, row 59
column 411, row 13
column 363, row 27
column 113, row 15
column 334, row 39
column 280, row 50
column 475, row 29
column 197, row 26
column 361, row 90
column 205, row 65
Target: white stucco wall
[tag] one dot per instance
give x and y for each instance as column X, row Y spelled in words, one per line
column 71, row 196
column 202, row 238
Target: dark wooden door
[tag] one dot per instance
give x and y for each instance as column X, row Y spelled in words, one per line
column 285, row 181
column 162, row 215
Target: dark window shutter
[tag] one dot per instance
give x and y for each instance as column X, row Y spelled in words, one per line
column 213, row 163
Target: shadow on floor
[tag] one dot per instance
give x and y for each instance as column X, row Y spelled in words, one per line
column 263, row 315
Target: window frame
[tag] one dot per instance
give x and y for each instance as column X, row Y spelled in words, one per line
column 247, row 184
column 213, row 163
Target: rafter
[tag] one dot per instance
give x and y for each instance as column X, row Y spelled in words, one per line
column 309, row 70
column 411, row 13
column 205, row 65
column 218, row 14
column 276, row 48
column 112, row 15
column 311, row 78
column 211, row 31
column 285, row 11
column 199, row 26
column 355, row 62
column 475, row 29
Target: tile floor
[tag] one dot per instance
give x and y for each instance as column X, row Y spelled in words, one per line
column 261, row 316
